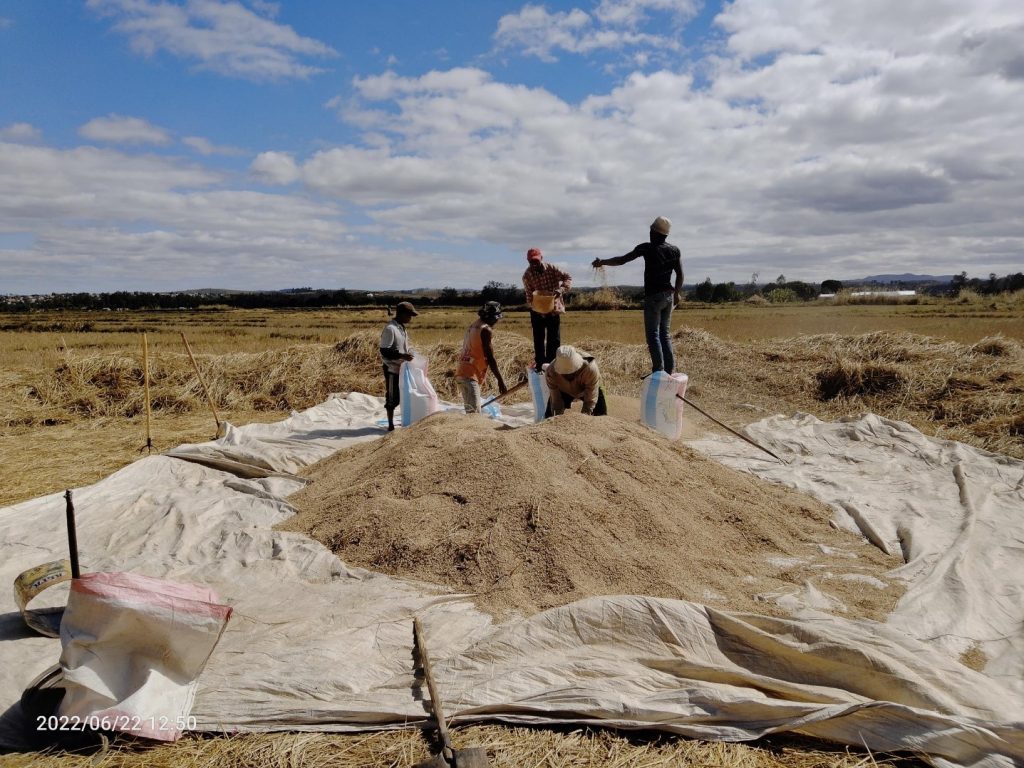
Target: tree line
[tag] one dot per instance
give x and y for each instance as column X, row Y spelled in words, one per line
column 779, row 291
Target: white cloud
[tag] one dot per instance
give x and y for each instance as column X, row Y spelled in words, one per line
column 5, row 22
column 118, row 129
column 852, row 143
column 222, row 36
column 634, row 12
column 207, row 147
column 613, row 25
column 275, row 168
column 20, row 132
column 103, row 220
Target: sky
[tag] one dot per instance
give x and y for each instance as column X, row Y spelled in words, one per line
column 162, row 146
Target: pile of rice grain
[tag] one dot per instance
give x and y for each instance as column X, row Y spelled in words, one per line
column 577, row 506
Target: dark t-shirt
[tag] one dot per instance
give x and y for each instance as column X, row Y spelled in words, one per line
column 660, row 262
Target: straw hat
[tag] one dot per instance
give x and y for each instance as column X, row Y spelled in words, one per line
column 567, row 360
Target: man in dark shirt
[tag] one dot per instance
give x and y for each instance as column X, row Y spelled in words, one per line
column 661, row 260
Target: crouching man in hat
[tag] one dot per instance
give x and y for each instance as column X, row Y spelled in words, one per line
column 477, row 356
column 574, row 376
column 394, row 349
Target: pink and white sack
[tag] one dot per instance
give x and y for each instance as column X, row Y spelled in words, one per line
column 132, row 650
column 661, row 404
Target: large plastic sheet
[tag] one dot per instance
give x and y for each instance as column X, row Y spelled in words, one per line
column 315, row 644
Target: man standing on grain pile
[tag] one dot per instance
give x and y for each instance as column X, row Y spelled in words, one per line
column 574, row 376
column 477, row 356
column 394, row 349
column 545, row 286
column 661, row 260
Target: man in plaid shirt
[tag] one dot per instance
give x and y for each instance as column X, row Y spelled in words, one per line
column 545, row 320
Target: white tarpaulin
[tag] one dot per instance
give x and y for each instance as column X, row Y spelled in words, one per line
column 314, row 644
column 954, row 513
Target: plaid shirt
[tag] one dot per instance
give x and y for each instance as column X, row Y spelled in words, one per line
column 551, row 279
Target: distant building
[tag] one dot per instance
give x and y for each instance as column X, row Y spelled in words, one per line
column 878, row 292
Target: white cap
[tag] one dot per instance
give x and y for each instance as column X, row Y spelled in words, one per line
column 661, row 225
column 567, row 360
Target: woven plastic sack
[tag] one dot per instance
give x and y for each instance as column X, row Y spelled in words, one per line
column 661, row 405
column 539, row 393
column 132, row 649
column 419, row 399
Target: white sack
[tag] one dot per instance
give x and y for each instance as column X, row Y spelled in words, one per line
column 538, row 393
column 419, row 399
column 661, row 406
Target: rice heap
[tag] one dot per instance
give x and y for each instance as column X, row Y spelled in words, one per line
column 529, row 518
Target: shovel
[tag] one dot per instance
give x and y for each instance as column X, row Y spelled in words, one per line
column 506, row 393
column 449, row 757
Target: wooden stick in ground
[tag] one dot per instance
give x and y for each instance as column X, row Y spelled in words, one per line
column 202, row 383
column 435, row 699
column 498, row 398
column 145, row 380
column 730, row 429
column 72, row 535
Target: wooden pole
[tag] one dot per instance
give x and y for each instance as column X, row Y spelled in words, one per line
column 72, row 535
column 435, row 698
column 206, row 391
column 726, row 426
column 145, row 380
column 508, row 392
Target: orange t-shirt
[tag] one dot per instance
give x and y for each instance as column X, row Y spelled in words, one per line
column 473, row 361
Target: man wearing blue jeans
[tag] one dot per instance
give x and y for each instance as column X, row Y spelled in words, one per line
column 661, row 261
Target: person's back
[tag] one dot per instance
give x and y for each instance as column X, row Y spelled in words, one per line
column 662, row 260
column 473, row 361
column 574, row 376
column 660, row 263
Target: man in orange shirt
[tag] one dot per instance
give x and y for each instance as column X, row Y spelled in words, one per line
column 550, row 284
column 477, row 356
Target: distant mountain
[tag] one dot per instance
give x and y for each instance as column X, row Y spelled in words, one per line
column 211, row 291
column 906, row 277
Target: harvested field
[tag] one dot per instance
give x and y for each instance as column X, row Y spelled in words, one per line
column 530, row 518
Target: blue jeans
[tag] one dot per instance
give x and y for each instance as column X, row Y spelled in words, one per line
column 657, row 327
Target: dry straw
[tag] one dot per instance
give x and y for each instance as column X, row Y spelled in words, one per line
column 973, row 393
column 507, row 747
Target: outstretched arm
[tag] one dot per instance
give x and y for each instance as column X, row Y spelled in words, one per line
column 617, row 261
column 485, row 340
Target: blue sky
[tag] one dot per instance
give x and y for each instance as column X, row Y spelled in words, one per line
column 155, row 145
